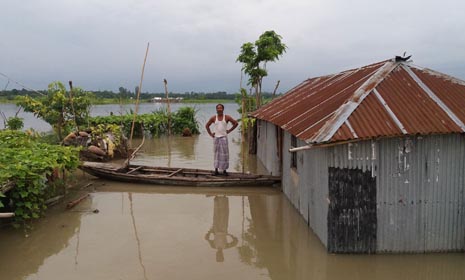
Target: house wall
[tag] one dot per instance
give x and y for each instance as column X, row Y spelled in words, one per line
column 290, row 177
column 267, row 147
column 315, row 184
column 306, row 185
column 421, row 194
column 420, row 187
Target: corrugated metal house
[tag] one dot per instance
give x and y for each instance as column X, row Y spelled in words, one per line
column 373, row 158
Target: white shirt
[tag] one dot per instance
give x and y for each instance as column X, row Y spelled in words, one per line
column 221, row 127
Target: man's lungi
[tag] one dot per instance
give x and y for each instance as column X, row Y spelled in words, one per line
column 221, row 151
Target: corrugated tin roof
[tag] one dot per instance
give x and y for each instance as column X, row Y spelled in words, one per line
column 384, row 99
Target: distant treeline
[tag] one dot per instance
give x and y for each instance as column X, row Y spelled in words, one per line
column 124, row 93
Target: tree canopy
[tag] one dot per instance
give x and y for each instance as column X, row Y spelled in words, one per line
column 58, row 109
column 255, row 56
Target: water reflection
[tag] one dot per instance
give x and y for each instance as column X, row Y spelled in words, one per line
column 23, row 253
column 146, row 232
column 218, row 236
column 131, row 207
column 276, row 238
column 164, row 147
column 195, row 152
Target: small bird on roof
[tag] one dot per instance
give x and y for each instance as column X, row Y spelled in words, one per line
column 403, row 58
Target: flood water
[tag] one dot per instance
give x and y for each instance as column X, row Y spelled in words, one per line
column 160, row 232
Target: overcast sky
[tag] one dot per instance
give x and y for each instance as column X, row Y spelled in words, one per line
column 100, row 44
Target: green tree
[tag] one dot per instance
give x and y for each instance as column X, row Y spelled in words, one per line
column 122, row 91
column 56, row 107
column 255, row 56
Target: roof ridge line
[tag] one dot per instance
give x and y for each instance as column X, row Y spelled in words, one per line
column 436, row 73
column 435, row 98
column 328, row 130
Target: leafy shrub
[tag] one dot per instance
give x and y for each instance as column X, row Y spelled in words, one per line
column 156, row 123
column 14, row 123
column 185, row 118
column 27, row 162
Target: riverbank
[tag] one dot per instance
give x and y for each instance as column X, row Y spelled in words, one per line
column 111, row 101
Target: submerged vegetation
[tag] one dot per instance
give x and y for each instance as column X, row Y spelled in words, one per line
column 34, row 166
column 68, row 111
column 156, row 123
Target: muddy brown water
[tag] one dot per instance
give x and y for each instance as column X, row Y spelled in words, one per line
column 161, row 232
column 145, row 232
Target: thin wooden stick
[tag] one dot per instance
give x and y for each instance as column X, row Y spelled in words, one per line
column 53, row 199
column 135, row 169
column 275, row 88
column 133, row 154
column 168, row 106
column 138, row 95
column 89, row 184
column 72, row 105
column 175, row 172
column 76, row 202
column 18, row 83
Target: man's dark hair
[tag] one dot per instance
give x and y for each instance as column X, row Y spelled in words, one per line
column 219, row 104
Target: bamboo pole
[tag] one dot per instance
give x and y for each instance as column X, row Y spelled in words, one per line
column 168, row 106
column 132, row 155
column 7, row 215
column 72, row 104
column 244, row 95
column 138, row 95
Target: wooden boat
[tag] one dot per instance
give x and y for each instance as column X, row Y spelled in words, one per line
column 174, row 176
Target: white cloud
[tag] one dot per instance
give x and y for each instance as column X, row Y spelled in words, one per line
column 194, row 44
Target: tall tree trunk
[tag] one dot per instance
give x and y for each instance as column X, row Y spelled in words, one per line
column 253, row 138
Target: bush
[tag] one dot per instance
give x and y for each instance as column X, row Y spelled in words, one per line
column 14, row 123
column 27, row 162
column 156, row 123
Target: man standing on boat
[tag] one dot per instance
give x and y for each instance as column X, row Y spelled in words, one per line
column 220, row 143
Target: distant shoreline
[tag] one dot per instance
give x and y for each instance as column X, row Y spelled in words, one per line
column 115, row 101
